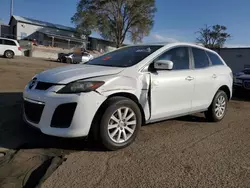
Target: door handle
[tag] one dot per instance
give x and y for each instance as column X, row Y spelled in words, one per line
column 214, row 76
column 189, row 78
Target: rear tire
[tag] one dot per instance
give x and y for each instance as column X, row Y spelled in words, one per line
column 9, row 54
column 217, row 109
column 68, row 61
column 120, row 123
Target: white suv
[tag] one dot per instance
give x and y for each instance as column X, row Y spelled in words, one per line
column 113, row 95
column 9, row 48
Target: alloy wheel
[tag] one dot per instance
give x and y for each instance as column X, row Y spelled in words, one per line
column 220, row 106
column 122, row 125
column 8, row 54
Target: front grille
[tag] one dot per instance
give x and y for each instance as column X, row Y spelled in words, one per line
column 247, row 84
column 33, row 111
column 63, row 115
column 43, row 85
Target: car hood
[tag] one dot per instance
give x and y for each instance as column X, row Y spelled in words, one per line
column 66, row 74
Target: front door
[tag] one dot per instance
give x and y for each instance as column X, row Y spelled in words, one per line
column 172, row 90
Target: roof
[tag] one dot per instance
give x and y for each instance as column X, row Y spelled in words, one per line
column 234, row 48
column 62, row 36
column 8, row 39
column 176, row 44
column 4, row 24
column 41, row 23
column 102, row 39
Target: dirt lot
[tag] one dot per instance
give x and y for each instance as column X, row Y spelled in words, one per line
column 184, row 152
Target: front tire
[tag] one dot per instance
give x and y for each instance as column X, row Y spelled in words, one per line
column 120, row 123
column 217, row 109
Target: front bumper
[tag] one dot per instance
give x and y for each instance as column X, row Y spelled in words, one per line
column 86, row 108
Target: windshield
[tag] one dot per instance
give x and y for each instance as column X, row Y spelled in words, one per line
column 125, row 57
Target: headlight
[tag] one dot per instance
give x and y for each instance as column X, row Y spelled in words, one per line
column 238, row 81
column 81, row 86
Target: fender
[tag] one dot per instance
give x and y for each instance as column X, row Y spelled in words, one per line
column 138, row 87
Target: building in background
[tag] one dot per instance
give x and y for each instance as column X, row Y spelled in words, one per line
column 236, row 58
column 45, row 33
column 54, row 35
column 4, row 30
column 100, row 45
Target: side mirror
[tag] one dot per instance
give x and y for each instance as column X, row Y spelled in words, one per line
column 163, row 65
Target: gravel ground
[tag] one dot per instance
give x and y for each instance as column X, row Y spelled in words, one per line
column 184, row 152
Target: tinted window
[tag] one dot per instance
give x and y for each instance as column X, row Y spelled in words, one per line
column 125, row 57
column 179, row 56
column 9, row 42
column 214, row 59
column 200, row 58
column 1, row 41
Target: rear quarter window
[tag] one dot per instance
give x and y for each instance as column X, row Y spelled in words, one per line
column 214, row 59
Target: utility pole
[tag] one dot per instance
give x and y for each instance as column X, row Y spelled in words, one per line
column 11, row 8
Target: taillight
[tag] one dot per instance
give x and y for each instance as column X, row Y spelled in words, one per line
column 19, row 48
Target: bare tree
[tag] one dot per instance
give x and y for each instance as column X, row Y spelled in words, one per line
column 213, row 36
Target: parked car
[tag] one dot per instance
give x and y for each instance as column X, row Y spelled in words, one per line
column 79, row 58
column 111, row 96
column 242, row 80
column 9, row 48
column 62, row 57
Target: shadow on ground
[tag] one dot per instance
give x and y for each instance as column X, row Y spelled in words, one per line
column 193, row 118
column 241, row 96
column 15, row 134
column 31, row 157
column 28, row 157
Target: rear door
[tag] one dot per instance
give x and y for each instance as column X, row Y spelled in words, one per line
column 220, row 72
column 204, row 80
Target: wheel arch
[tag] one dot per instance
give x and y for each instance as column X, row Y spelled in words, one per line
column 94, row 129
column 226, row 89
column 10, row 50
column 131, row 97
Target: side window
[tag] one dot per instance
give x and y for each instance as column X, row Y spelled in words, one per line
column 9, row 42
column 179, row 56
column 214, row 59
column 200, row 58
column 1, row 41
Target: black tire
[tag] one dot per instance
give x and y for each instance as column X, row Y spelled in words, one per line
column 112, row 105
column 9, row 54
column 68, row 61
column 211, row 114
